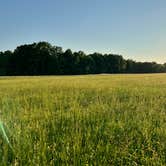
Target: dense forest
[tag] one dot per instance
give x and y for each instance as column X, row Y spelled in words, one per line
column 44, row 59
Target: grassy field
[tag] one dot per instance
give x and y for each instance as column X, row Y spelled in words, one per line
column 84, row 120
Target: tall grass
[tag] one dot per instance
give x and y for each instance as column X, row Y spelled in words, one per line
column 84, row 120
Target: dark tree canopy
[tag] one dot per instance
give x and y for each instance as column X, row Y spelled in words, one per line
column 44, row 59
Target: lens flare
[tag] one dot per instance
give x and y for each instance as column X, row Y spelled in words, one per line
column 3, row 132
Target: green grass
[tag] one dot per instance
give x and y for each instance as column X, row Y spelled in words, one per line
column 84, row 120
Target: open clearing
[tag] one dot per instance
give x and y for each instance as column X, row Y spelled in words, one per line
column 84, row 120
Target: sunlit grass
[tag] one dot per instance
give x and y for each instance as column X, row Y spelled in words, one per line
column 84, row 120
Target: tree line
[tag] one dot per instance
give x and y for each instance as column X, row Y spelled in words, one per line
column 44, row 59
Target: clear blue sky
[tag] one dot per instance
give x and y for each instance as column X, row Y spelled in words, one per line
column 134, row 28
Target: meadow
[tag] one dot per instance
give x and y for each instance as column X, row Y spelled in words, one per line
column 84, row 120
